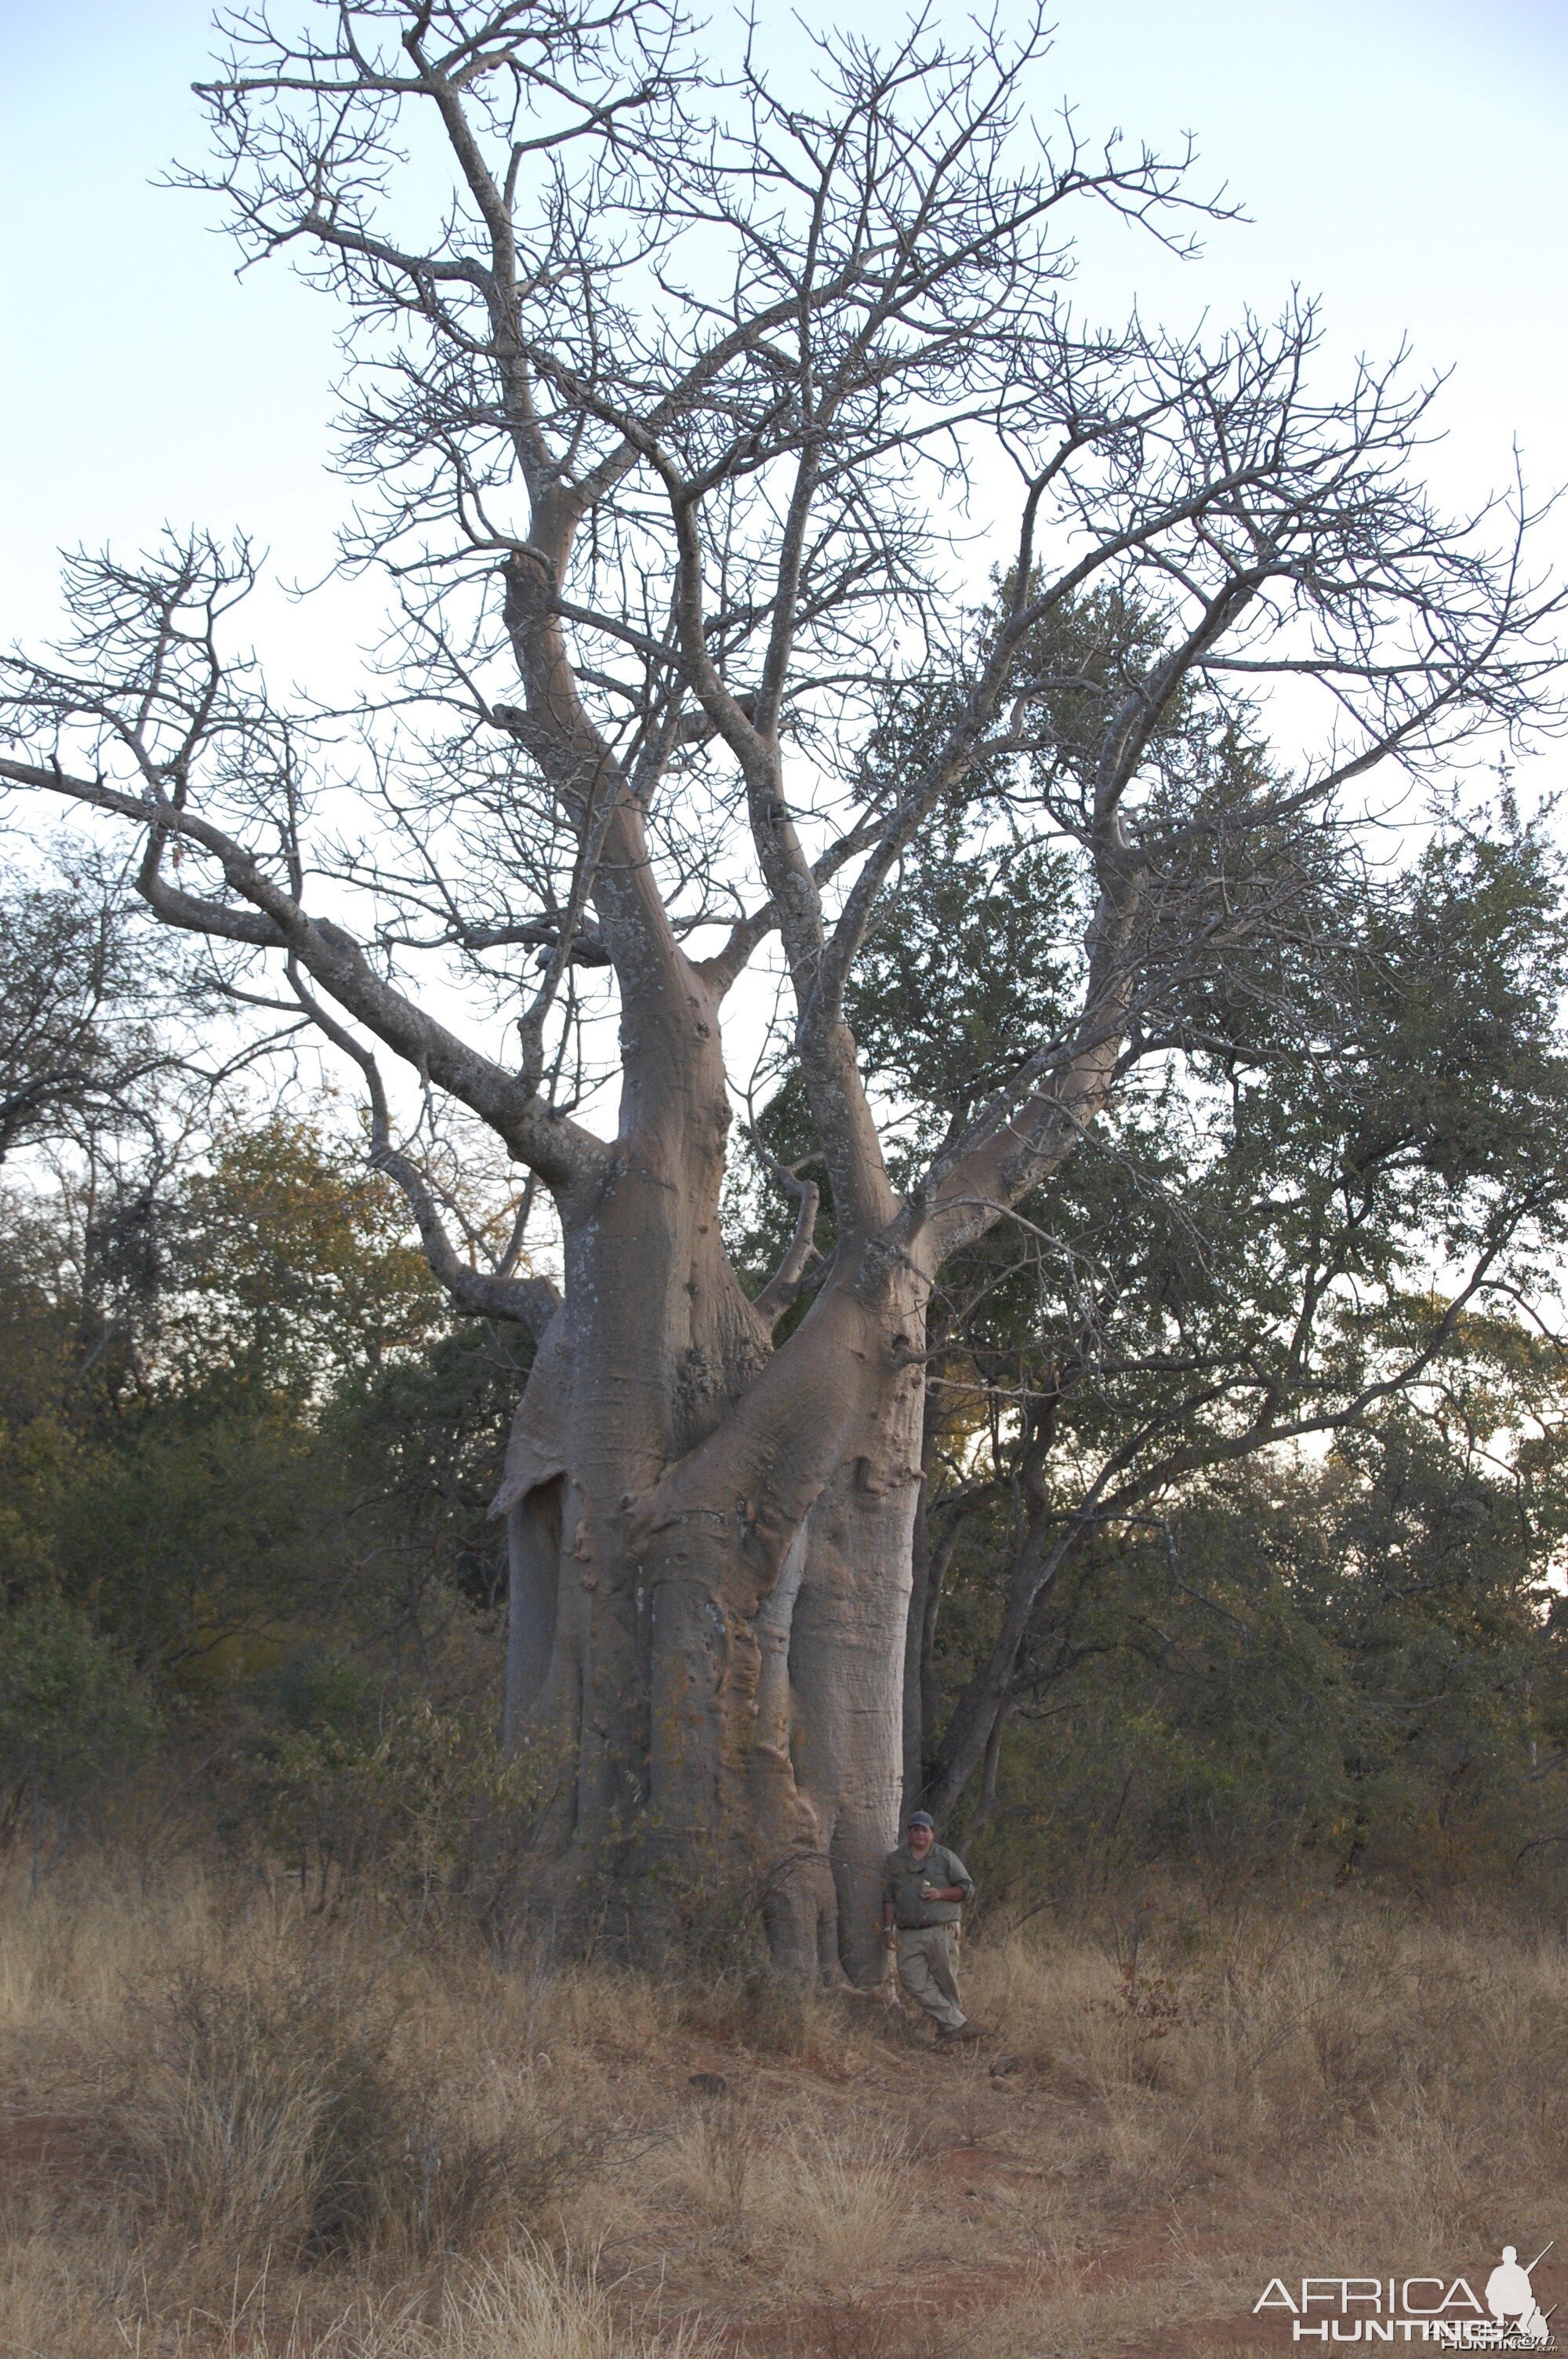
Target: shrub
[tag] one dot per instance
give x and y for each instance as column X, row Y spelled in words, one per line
column 419, row 1804
column 294, row 2112
column 72, row 1713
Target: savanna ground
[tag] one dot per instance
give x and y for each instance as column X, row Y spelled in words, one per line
column 231, row 2128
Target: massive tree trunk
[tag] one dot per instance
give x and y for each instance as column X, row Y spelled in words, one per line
column 710, row 1544
column 715, row 1644
column 723, row 1655
column 712, row 1540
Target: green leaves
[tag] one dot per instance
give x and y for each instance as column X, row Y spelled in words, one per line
column 1342, row 1664
column 971, row 966
column 72, row 1709
column 1331, row 1204
column 422, row 1804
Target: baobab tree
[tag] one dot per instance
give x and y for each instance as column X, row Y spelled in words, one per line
column 689, row 404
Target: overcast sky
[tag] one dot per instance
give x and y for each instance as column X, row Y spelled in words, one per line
column 1407, row 160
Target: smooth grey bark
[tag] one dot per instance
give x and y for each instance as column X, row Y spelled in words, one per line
column 919, row 1629
column 533, row 1590
column 847, row 1661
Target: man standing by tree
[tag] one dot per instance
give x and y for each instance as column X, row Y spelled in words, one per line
column 922, row 1902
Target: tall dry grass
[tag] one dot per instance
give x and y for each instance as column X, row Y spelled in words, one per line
column 298, row 2109
column 818, row 2203
column 531, row 2303
column 243, row 2102
column 1427, row 2060
column 288, row 2140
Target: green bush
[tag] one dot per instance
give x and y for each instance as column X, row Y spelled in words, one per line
column 73, row 1714
column 421, row 1805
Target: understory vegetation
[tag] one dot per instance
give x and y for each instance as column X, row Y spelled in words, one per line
column 252, row 1590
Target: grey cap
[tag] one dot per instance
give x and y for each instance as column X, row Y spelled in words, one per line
column 922, row 1819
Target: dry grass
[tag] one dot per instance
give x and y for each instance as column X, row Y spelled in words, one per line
column 1428, row 2059
column 819, row 2204
column 531, row 2304
column 230, row 2133
column 297, row 2108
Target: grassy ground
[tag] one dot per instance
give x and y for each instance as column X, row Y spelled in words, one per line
column 227, row 2130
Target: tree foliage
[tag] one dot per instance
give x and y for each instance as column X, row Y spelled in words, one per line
column 275, row 1422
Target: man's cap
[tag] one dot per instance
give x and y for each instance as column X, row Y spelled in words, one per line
column 922, row 1819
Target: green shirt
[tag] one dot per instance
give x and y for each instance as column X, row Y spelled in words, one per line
column 906, row 1875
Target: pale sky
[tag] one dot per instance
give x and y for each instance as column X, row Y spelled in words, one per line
column 1407, row 160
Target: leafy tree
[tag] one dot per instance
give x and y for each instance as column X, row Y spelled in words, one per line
column 1353, row 1661
column 1325, row 1215
column 291, row 1271
column 273, row 1426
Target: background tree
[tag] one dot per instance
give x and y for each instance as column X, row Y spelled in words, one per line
column 273, row 1440
column 665, row 422
column 1346, row 1668
column 79, row 1000
column 1362, row 1152
column 73, row 1717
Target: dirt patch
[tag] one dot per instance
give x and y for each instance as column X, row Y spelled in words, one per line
column 970, row 2163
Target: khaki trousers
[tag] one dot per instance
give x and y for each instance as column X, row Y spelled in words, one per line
column 928, row 1968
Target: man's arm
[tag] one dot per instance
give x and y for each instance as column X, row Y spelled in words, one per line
column 963, row 1884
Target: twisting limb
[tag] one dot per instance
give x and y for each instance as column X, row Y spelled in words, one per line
column 531, row 1302
column 787, row 1283
column 562, row 1154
